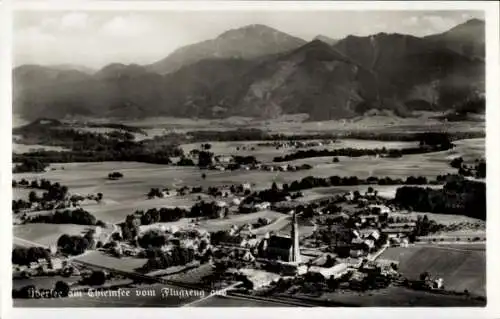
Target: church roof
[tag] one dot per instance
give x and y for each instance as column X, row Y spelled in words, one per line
column 280, row 242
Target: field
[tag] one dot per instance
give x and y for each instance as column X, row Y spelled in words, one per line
column 267, row 153
column 23, row 193
column 99, row 258
column 461, row 268
column 213, row 225
column 445, row 219
column 124, row 196
column 46, row 234
column 422, row 121
column 401, row 297
column 23, row 148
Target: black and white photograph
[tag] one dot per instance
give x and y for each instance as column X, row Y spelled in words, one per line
column 249, row 158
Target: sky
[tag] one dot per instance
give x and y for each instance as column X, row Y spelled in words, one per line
column 97, row 38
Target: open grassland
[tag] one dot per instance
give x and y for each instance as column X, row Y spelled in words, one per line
column 47, row 234
column 99, row 258
column 421, row 121
column 461, row 268
column 23, row 148
column 23, row 193
column 267, row 153
column 213, row 225
column 401, row 297
column 445, row 219
column 122, row 197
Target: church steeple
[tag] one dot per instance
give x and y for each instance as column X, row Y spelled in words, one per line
column 295, row 256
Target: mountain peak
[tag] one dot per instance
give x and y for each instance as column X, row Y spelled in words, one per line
column 247, row 42
column 325, row 39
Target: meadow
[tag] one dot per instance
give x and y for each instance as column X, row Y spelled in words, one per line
column 461, row 268
column 22, row 148
column 124, row 196
column 46, row 234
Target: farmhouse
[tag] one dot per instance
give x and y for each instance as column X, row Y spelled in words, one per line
column 379, row 209
column 397, row 232
column 335, row 271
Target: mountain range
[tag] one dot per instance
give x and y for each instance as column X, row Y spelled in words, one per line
column 262, row 72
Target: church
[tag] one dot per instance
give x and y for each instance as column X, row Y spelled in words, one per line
column 282, row 248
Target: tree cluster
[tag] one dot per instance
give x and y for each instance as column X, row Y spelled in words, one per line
column 30, row 165
column 428, row 145
column 78, row 216
column 464, row 197
column 24, row 256
column 115, row 175
column 73, row 245
column 158, row 259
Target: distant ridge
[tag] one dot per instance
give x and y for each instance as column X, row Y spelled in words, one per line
column 249, row 42
column 269, row 73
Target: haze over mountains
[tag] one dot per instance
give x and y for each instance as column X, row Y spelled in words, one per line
column 262, row 72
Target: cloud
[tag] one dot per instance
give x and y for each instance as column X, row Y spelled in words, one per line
column 126, row 26
column 410, row 22
column 439, row 23
column 75, row 20
column 34, row 37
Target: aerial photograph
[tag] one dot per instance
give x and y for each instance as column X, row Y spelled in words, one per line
column 242, row 158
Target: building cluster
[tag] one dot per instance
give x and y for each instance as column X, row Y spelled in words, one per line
column 224, row 166
column 297, row 144
column 50, row 266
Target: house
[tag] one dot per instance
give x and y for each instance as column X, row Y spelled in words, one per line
column 246, row 186
column 397, row 232
column 356, row 253
column 379, row 209
column 402, row 225
column 262, row 206
column 222, row 209
column 369, row 218
column 257, row 279
column 372, row 234
column 335, row 271
column 349, row 196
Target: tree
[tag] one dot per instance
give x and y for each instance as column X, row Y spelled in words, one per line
column 99, row 197
column 204, row 176
column 335, row 159
column 62, row 288
column 274, row 187
column 424, row 276
column 97, row 278
column 33, row 198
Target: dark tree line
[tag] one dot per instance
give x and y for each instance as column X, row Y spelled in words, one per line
column 353, row 152
column 463, row 197
column 91, row 147
column 30, row 165
column 73, row 245
column 478, row 169
column 260, row 135
column 78, row 216
column 24, row 256
column 158, row 259
column 313, row 182
column 115, row 175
